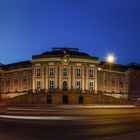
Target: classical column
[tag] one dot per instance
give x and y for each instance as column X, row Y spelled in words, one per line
column 110, row 83
column 69, row 76
column 71, row 71
column 60, row 77
column 33, row 80
column 56, row 76
column 83, row 77
column 46, row 78
column 87, row 81
column 96, row 80
column 73, row 77
column 20, row 81
column 42, row 75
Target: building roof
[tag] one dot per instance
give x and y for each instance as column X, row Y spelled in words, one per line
column 117, row 67
column 60, row 52
column 17, row 65
column 134, row 66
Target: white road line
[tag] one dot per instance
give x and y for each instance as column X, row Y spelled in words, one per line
column 43, row 117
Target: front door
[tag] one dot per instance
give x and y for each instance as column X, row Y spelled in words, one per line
column 81, row 99
column 65, row 99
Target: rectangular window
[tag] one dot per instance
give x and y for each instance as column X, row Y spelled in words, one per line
column 38, row 71
column 113, row 89
column 16, row 79
column 91, row 86
column 121, row 90
column 113, row 80
column 16, row 89
column 51, row 71
column 52, row 85
column 91, row 73
column 38, row 85
column 78, row 72
column 121, row 81
column 78, row 85
column 65, row 72
column 24, row 88
column 8, row 89
column 105, row 79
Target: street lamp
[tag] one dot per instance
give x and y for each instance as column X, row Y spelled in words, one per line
column 110, row 58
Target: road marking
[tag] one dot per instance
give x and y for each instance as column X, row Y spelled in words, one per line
column 43, row 117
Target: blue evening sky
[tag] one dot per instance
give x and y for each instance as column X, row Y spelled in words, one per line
column 29, row 27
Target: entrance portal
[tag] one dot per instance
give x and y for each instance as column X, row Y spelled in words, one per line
column 81, row 99
column 65, row 99
column 49, row 99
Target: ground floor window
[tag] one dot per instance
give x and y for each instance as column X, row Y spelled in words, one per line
column 38, row 85
column 51, row 85
column 113, row 89
column 49, row 99
column 78, row 84
column 91, row 88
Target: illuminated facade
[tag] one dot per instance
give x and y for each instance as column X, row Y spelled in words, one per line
column 69, row 73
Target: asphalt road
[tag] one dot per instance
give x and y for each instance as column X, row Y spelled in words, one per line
column 79, row 124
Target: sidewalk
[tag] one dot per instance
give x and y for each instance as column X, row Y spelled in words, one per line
column 96, row 106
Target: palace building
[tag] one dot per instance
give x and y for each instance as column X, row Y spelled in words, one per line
column 68, row 76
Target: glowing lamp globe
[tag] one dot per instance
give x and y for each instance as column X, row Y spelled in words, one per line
column 110, row 58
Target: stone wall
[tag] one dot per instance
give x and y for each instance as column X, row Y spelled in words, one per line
column 57, row 99
column 5, row 96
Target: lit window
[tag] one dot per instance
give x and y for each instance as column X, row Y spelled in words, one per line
column 121, row 90
column 91, row 86
column 78, row 85
column 38, row 71
column 113, row 80
column 16, row 89
column 51, row 71
column 78, row 72
column 38, row 85
column 113, row 89
column 24, row 78
column 24, row 88
column 8, row 81
column 52, row 85
column 15, row 79
column 91, row 73
column 105, row 79
column 8, row 90
column 65, row 72
column 121, row 81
